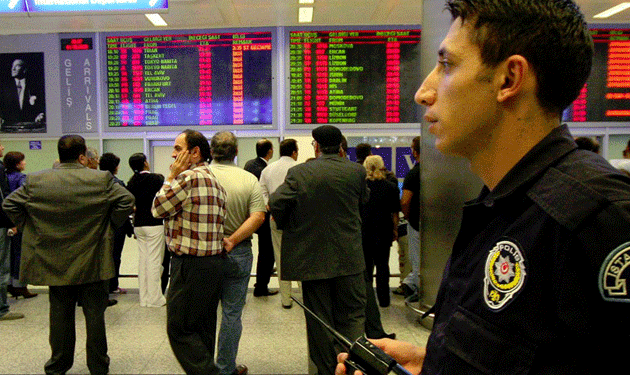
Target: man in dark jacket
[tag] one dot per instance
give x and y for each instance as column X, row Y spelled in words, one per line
column 264, row 264
column 318, row 209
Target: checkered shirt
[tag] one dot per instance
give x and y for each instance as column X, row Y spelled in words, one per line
column 193, row 208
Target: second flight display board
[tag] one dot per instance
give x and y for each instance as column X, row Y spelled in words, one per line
column 606, row 95
column 189, row 79
column 353, row 76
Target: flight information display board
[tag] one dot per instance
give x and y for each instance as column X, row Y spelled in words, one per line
column 189, row 79
column 606, row 95
column 353, row 76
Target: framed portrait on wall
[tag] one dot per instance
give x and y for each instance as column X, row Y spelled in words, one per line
column 22, row 99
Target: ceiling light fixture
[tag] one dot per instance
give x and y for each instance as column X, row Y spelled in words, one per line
column 306, row 1
column 614, row 10
column 156, row 19
column 305, row 14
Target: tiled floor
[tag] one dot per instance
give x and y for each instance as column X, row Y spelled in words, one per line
column 273, row 341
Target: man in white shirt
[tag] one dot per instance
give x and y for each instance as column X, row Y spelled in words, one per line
column 270, row 178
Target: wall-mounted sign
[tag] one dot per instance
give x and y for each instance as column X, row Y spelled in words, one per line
column 34, row 145
column 76, row 44
column 79, row 106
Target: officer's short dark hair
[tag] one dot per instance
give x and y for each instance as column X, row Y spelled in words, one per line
column 550, row 34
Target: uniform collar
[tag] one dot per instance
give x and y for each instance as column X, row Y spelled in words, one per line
column 547, row 152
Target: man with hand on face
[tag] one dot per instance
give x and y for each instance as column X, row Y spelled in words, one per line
column 193, row 206
column 534, row 281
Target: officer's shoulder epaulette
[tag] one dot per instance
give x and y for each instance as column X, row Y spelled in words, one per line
column 577, row 188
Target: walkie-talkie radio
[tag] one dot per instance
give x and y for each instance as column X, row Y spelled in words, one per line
column 362, row 354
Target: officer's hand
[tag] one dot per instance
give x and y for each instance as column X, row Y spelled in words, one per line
column 341, row 368
column 406, row 354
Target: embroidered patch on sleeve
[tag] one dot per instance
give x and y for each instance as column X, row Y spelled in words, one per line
column 504, row 274
column 614, row 275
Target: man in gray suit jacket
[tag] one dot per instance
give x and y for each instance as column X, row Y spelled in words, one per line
column 67, row 215
column 318, row 209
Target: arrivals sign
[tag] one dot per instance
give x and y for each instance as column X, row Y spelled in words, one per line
column 77, row 69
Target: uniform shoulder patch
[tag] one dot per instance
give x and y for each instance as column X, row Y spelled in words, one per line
column 505, row 274
column 615, row 274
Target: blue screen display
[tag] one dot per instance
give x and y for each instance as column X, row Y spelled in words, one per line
column 17, row 6
column 189, row 79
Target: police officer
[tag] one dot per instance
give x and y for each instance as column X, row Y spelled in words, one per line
column 536, row 280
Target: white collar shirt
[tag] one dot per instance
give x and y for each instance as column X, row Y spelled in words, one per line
column 273, row 175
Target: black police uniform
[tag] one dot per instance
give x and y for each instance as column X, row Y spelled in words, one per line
column 536, row 280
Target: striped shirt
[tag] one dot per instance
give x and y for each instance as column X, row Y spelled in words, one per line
column 193, row 207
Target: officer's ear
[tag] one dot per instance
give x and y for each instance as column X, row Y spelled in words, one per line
column 514, row 77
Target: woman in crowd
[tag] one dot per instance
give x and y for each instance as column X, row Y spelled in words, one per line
column 15, row 163
column 149, row 231
column 380, row 224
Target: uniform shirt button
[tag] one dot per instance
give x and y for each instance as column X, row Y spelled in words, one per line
column 488, row 202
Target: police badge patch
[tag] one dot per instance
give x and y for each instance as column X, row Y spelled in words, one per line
column 614, row 275
column 504, row 274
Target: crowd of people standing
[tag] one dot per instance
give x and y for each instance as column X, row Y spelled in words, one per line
column 202, row 215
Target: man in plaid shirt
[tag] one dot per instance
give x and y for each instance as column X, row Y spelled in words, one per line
column 193, row 206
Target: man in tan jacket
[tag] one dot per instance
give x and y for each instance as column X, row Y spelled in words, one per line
column 68, row 215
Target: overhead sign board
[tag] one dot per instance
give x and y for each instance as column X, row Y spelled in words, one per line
column 41, row 6
column 12, row 6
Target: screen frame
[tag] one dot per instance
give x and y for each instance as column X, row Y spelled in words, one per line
column 102, row 58
column 326, row 28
